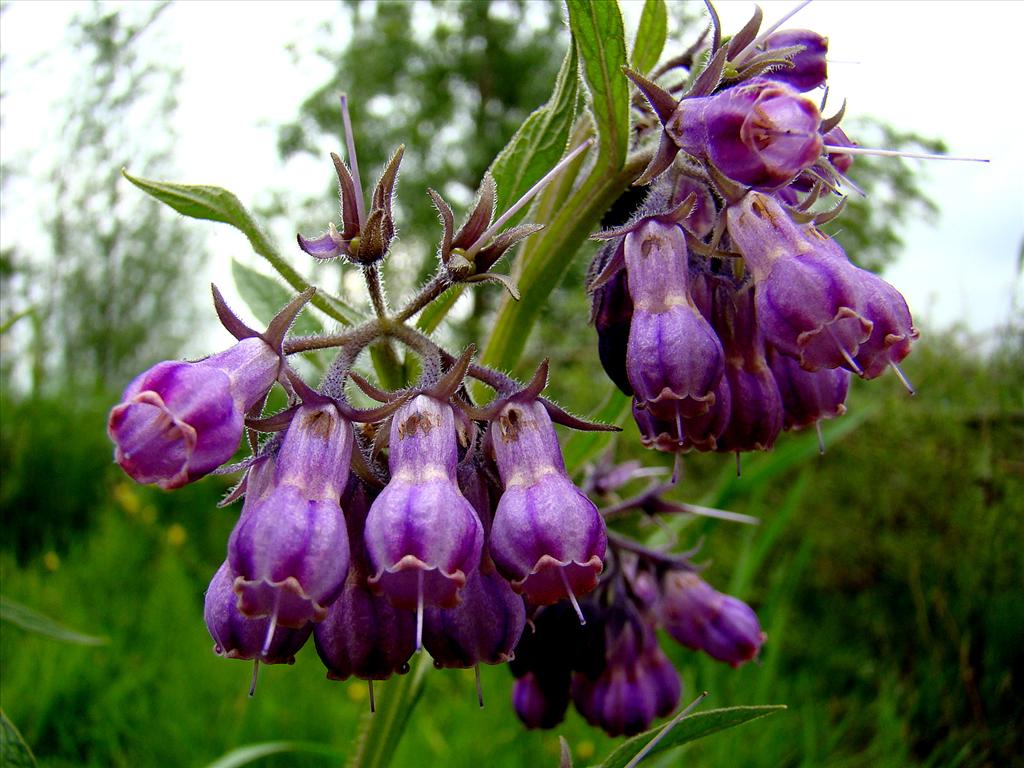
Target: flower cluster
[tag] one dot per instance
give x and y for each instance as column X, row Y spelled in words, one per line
column 721, row 306
column 431, row 521
column 612, row 667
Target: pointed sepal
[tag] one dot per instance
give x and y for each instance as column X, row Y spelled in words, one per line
column 229, row 319
column 479, row 219
column 662, row 102
column 275, row 333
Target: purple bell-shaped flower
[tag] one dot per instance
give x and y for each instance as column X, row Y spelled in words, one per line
column 638, row 682
column 236, row 636
column 486, row 625
column 674, row 359
column 290, row 546
column 540, row 702
column 755, row 419
column 808, row 302
column 363, row 635
column 548, row 538
column 482, row 629
column 422, row 537
column 179, row 421
column 699, row 617
column 808, row 396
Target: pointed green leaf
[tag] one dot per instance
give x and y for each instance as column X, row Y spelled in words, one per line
column 14, row 752
column 201, row 201
column 265, row 296
column 596, row 27
column 380, row 732
column 540, row 141
column 650, row 36
column 250, row 753
column 689, row 729
column 33, row 621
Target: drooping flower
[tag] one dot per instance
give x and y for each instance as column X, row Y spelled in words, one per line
column 237, row 636
column 699, row 617
column 363, row 634
column 755, row 418
column 179, row 421
column 422, row 536
column 486, row 625
column 674, row 359
column 611, row 314
column 548, row 538
column 809, row 303
column 540, row 702
column 482, row 629
column 290, row 547
column 808, row 396
column 638, row 682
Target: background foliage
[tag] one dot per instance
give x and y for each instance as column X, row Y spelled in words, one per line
column 887, row 572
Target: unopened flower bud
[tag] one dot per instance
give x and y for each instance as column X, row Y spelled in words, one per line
column 699, row 617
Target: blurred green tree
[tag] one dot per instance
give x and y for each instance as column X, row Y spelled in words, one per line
column 114, row 283
column 94, row 303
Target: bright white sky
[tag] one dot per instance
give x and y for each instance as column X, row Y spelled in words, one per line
column 937, row 68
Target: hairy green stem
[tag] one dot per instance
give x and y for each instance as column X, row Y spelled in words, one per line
column 371, row 273
column 433, row 289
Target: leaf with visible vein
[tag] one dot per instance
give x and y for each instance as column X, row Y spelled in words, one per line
column 201, row 201
column 540, row 141
column 689, row 729
column 14, row 752
column 597, row 29
column 650, row 36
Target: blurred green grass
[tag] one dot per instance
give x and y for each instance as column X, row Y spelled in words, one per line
column 887, row 574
